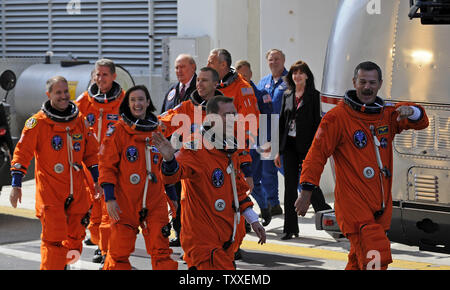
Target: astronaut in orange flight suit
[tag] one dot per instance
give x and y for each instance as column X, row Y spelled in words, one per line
column 213, row 187
column 61, row 198
column 100, row 106
column 195, row 109
column 359, row 133
column 134, row 190
column 233, row 85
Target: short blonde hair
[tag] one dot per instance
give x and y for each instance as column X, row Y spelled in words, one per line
column 242, row 63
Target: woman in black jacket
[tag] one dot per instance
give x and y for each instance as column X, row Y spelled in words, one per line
column 299, row 119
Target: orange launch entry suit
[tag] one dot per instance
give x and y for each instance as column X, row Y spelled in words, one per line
column 127, row 159
column 363, row 199
column 101, row 112
column 236, row 87
column 208, row 215
column 58, row 173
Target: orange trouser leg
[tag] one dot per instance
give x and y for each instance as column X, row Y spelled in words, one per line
column 220, row 260
column 122, row 242
column 60, row 233
column 53, row 255
column 357, row 258
column 76, row 233
column 352, row 263
column 95, row 220
column 158, row 247
column 104, row 229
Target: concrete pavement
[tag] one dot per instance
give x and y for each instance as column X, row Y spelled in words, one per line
column 313, row 249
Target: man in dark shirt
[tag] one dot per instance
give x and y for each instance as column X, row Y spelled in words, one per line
column 185, row 68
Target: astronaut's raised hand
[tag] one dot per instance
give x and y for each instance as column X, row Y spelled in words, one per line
column 164, row 146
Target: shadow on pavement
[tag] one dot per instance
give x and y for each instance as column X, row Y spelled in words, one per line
column 14, row 229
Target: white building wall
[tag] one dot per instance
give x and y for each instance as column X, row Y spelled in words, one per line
column 298, row 27
column 249, row 28
column 225, row 22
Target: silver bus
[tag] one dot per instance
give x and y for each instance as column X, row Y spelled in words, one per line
column 410, row 41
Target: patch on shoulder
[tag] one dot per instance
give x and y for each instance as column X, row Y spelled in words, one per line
column 247, row 91
column 31, row 123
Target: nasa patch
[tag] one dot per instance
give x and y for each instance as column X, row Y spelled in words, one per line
column 57, row 142
column 110, row 131
column 91, row 119
column 217, row 178
column 132, row 154
column 360, row 139
column 76, row 146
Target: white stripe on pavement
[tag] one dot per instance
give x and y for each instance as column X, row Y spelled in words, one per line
column 24, row 255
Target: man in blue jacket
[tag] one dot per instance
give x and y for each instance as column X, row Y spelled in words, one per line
column 274, row 85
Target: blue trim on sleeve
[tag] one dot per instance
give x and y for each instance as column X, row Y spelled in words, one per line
column 94, row 172
column 169, row 168
column 108, row 189
column 16, row 178
column 171, row 192
column 246, row 169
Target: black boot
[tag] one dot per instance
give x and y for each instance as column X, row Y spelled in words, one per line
column 266, row 216
column 276, row 210
column 97, row 256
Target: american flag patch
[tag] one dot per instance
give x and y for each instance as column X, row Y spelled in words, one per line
column 247, row 91
column 266, row 98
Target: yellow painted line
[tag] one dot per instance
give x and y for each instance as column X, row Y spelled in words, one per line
column 331, row 255
column 22, row 212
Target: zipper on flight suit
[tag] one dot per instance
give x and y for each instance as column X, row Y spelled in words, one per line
column 384, row 171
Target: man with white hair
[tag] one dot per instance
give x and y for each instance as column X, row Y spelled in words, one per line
column 185, row 68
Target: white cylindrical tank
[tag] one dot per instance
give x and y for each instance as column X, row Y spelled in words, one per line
column 30, row 89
